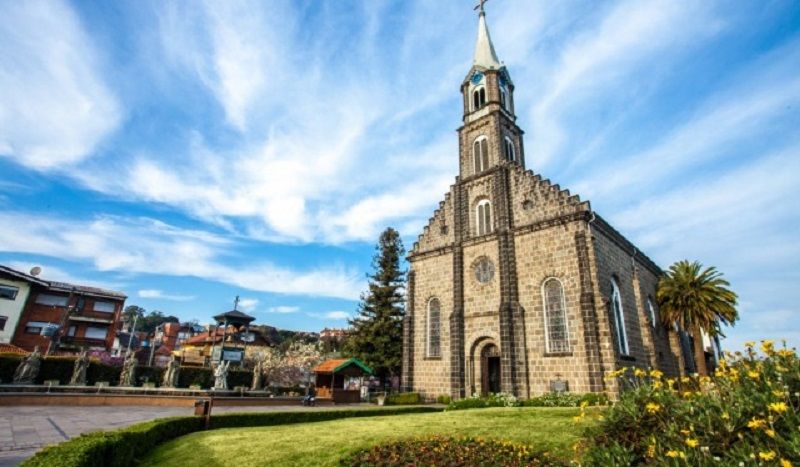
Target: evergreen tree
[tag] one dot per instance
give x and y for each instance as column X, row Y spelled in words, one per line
column 376, row 334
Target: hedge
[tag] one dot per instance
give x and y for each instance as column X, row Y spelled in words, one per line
column 125, row 447
column 403, row 398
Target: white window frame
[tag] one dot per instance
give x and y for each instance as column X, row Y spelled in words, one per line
column 12, row 293
column 619, row 318
column 480, row 153
column 547, row 316
column 36, row 325
column 428, row 334
column 46, row 299
column 481, row 217
column 651, row 310
column 86, row 333
column 99, row 304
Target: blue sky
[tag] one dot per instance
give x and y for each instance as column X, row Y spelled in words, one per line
column 189, row 152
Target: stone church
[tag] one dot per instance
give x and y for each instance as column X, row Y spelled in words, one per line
column 515, row 284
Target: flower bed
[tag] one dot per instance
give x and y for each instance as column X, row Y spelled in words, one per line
column 746, row 414
column 453, row 452
column 546, row 400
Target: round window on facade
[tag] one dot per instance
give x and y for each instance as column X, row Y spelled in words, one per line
column 484, row 270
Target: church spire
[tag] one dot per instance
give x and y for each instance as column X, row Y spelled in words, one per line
column 485, row 55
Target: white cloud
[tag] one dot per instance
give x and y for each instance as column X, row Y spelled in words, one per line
column 139, row 245
column 283, row 309
column 155, row 293
column 54, row 105
column 248, row 304
column 335, row 315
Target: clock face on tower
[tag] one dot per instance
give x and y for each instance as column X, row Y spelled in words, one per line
column 477, row 78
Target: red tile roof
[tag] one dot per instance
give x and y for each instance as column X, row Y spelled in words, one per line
column 13, row 349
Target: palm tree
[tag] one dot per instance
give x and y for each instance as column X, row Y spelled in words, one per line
column 698, row 300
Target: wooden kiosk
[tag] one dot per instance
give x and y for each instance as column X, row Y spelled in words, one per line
column 333, row 376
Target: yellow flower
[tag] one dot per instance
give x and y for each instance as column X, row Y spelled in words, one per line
column 584, row 404
column 685, row 379
column 778, row 407
column 725, row 416
column 639, row 373
column 756, row 423
column 692, row 442
column 752, row 374
column 657, row 384
column 786, row 353
column 750, row 344
column 687, row 393
column 734, row 373
column 777, row 393
column 685, row 432
column 770, row 432
column 651, row 451
column 652, row 407
column 656, row 374
column 767, row 346
column 673, row 454
column 766, row 456
column 785, row 463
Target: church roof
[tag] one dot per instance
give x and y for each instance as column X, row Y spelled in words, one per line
column 485, row 56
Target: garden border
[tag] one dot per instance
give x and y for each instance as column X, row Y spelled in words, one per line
column 124, row 447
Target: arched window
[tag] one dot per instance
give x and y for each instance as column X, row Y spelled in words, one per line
column 480, row 154
column 434, row 319
column 619, row 318
column 651, row 310
column 555, row 316
column 504, row 97
column 508, row 146
column 483, row 217
column 478, row 98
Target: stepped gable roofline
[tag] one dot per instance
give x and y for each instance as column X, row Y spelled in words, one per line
column 18, row 275
column 605, row 228
column 87, row 290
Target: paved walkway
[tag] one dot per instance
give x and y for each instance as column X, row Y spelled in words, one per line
column 25, row 430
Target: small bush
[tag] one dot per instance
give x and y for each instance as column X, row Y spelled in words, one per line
column 748, row 413
column 492, row 400
column 454, row 452
column 403, row 398
column 554, row 399
column 444, row 399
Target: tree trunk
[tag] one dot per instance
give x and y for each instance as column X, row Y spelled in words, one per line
column 699, row 352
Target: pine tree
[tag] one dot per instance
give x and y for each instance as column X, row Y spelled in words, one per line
column 376, row 334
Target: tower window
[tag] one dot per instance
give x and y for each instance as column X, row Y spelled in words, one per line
column 478, row 98
column 483, row 214
column 619, row 318
column 504, row 98
column 434, row 318
column 555, row 316
column 511, row 153
column 480, row 154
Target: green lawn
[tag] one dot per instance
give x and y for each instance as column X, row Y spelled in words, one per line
column 324, row 443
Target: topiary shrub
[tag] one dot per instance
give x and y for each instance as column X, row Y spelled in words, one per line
column 748, row 413
column 455, row 452
column 403, row 398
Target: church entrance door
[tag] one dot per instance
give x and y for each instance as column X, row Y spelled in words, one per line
column 490, row 364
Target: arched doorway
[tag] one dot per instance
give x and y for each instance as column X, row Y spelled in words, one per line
column 490, row 369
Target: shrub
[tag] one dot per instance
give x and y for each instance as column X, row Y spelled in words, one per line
column 492, row 400
column 444, row 399
column 403, row 398
column 200, row 376
column 124, row 447
column 746, row 414
column 566, row 400
column 439, row 450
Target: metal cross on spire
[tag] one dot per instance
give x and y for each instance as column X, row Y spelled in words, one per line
column 479, row 6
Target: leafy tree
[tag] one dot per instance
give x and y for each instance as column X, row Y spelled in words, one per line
column 698, row 300
column 152, row 320
column 376, row 334
column 130, row 313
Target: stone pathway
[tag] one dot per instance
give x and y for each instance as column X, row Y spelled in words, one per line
column 25, row 430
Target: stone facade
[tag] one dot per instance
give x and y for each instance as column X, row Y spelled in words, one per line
column 487, row 270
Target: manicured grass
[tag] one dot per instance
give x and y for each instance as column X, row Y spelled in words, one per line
column 324, row 443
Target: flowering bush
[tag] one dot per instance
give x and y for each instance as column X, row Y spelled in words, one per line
column 546, row 400
column 453, row 452
column 500, row 399
column 746, row 414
